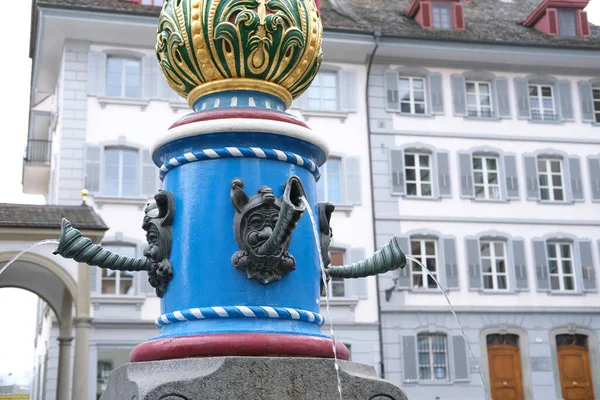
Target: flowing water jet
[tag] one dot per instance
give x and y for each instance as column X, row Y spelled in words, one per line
column 25, row 250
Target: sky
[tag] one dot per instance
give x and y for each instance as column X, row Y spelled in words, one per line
column 16, row 345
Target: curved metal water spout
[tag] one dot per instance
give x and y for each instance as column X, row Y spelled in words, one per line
column 72, row 244
column 389, row 258
column 289, row 215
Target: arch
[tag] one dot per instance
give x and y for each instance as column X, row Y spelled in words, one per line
column 424, row 233
column 412, row 71
column 552, row 153
column 419, row 146
column 541, row 79
column 486, row 150
column 560, row 236
column 493, row 234
column 479, row 76
column 125, row 53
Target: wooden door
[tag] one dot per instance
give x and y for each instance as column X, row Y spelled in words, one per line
column 505, row 367
column 574, row 367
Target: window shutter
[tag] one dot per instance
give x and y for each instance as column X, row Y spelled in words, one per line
column 436, row 93
column 409, row 358
column 404, row 279
column 586, row 100
column 356, row 287
column 443, row 165
column 587, row 266
column 466, row 175
column 502, row 98
column 459, row 17
column 520, row 263
column 150, row 80
column 542, row 273
column 397, row 173
column 531, row 176
column 460, row 359
column 353, row 187
column 150, row 175
column 594, row 168
column 583, row 26
column 427, row 15
column 522, row 90
column 450, row 263
column 566, row 100
column 576, row 182
column 459, row 95
column 92, row 167
column 474, row 262
column 96, row 73
column 392, row 102
column 552, row 21
column 511, row 177
column 348, row 90
column 94, row 279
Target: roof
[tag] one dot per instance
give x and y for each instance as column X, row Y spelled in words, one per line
column 487, row 21
column 50, row 217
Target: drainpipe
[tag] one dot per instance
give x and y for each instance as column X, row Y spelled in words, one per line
column 376, row 35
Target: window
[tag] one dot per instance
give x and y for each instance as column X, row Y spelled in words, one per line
column 442, row 18
column 120, row 172
column 157, row 3
column 123, row 77
column 322, row 93
column 486, row 177
column 596, row 98
column 433, row 357
column 493, row 262
column 329, row 187
column 566, row 23
column 418, row 174
column 425, row 251
column 479, row 99
column 560, row 263
column 541, row 102
column 551, row 179
column 118, row 282
column 336, row 285
column 412, row 95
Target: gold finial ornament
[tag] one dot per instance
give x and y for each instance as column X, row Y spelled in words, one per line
column 84, row 195
column 208, row 46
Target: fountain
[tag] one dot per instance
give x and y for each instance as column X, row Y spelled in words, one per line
column 230, row 253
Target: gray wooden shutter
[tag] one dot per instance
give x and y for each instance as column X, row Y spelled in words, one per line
column 474, row 263
column 150, row 77
column 353, row 187
column 450, row 263
column 436, row 93
column 531, row 177
column 96, row 73
column 465, row 161
column 520, row 263
column 576, row 181
column 404, row 278
column 459, row 95
column 594, row 170
column 587, row 101
column 542, row 272
column 348, row 90
column 150, row 175
column 566, row 100
column 443, row 165
column 460, row 359
column 356, row 287
column 522, row 90
column 94, row 279
column 397, row 172
column 587, row 266
column 93, row 155
column 392, row 102
column 503, row 98
column 511, row 177
column 409, row 358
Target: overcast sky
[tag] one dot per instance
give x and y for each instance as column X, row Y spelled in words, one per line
column 17, row 307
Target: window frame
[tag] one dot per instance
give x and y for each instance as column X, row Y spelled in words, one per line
column 479, row 112
column 540, row 98
column 560, row 22
column 430, row 336
column 559, row 263
column 339, row 281
column 485, row 173
column 312, row 87
column 116, row 246
column 441, row 8
column 120, row 182
column 416, row 154
column 423, row 257
column 493, row 260
column 123, row 84
column 325, row 179
column 550, row 187
column 411, row 95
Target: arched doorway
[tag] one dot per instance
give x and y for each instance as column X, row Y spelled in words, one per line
column 504, row 358
column 574, row 366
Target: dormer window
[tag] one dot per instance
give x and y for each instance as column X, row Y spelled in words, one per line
column 439, row 15
column 567, row 27
column 442, row 16
column 557, row 18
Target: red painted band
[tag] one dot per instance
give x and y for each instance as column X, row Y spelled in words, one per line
column 244, row 344
column 250, row 113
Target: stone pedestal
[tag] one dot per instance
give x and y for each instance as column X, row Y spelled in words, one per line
column 247, row 378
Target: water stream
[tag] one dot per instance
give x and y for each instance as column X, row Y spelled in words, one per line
column 327, row 302
column 31, row 246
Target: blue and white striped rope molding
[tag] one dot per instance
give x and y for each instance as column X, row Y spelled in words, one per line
column 260, row 312
column 238, row 152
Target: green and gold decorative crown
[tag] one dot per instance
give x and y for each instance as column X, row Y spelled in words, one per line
column 208, row 46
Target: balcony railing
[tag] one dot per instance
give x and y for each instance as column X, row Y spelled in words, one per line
column 473, row 113
column 38, row 150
